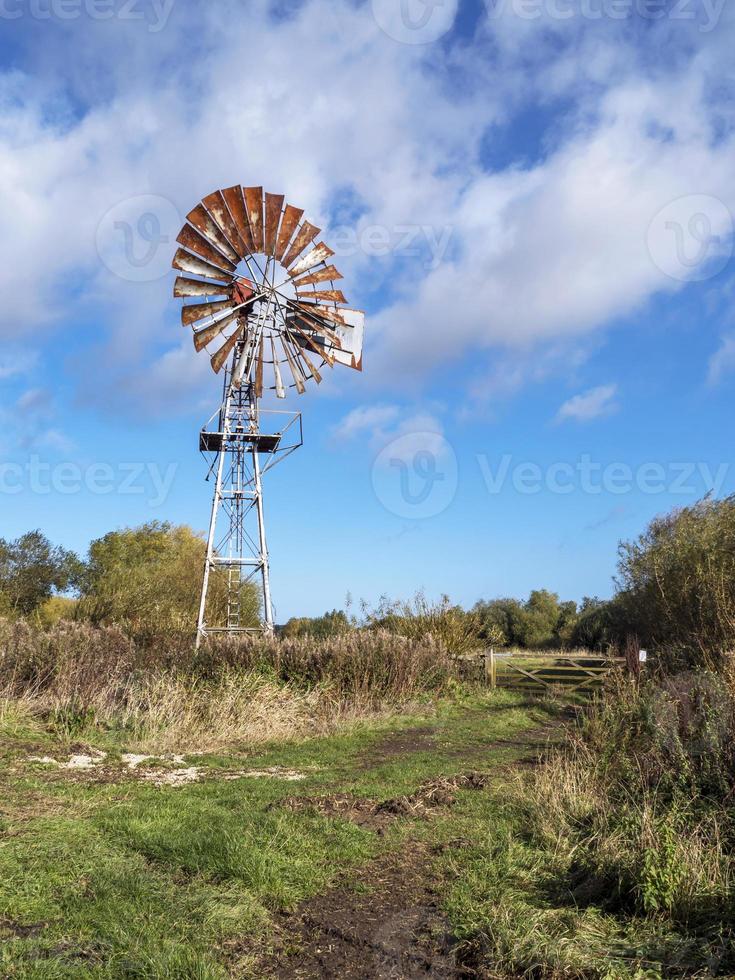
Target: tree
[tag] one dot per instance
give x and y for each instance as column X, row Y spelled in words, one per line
column 148, row 579
column 330, row 624
column 676, row 584
column 32, row 570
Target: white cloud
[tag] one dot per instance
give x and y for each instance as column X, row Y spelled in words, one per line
column 722, row 361
column 408, row 431
column 588, row 405
column 537, row 256
column 365, row 418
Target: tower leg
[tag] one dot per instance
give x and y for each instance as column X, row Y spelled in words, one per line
column 265, row 569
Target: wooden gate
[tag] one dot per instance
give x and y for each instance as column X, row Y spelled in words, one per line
column 539, row 672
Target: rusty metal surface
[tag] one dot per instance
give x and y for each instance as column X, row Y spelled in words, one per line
column 218, row 360
column 191, row 239
column 329, row 274
column 320, row 253
column 203, row 222
column 184, row 287
column 273, row 207
column 306, row 234
column 295, row 372
column 280, row 390
column 310, row 364
column 309, row 339
column 236, row 205
column 217, row 207
column 198, row 311
column 259, row 370
column 310, row 321
column 331, row 313
column 207, row 334
column 186, row 262
column 254, row 207
column 322, row 295
column 289, row 223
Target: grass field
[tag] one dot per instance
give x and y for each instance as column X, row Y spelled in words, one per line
column 107, row 871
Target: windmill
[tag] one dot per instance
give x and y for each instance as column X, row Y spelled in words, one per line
column 259, row 294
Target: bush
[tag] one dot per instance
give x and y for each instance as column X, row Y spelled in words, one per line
column 676, row 587
column 147, row 580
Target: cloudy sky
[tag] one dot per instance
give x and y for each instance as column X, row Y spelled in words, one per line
column 532, row 200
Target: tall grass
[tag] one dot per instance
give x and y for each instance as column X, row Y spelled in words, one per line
column 619, row 858
column 79, row 679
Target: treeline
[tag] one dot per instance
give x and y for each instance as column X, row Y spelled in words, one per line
column 674, row 593
column 144, row 580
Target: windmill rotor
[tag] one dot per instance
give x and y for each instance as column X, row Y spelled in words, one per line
column 257, row 282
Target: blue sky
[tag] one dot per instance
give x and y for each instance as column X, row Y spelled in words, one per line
column 532, row 200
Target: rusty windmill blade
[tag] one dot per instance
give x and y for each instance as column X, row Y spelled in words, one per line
column 186, row 262
column 314, row 320
column 216, row 205
column 207, row 334
column 341, row 315
column 313, row 370
column 254, row 208
column 305, row 337
column 280, row 390
column 317, row 255
column 295, row 370
column 199, row 311
column 192, row 240
column 289, row 223
column 321, row 295
column 236, row 208
column 218, row 360
column 329, row 274
column 204, row 223
column 273, row 208
column 306, row 234
column 184, row 288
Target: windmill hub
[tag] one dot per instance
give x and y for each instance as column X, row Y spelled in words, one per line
column 266, row 309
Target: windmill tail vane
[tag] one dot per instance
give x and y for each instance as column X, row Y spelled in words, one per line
column 260, row 297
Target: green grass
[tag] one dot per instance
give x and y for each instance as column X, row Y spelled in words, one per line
column 122, row 879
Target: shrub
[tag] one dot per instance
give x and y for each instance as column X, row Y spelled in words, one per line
column 676, row 587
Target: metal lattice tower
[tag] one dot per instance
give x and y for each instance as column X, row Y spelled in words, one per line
column 265, row 294
column 237, row 549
